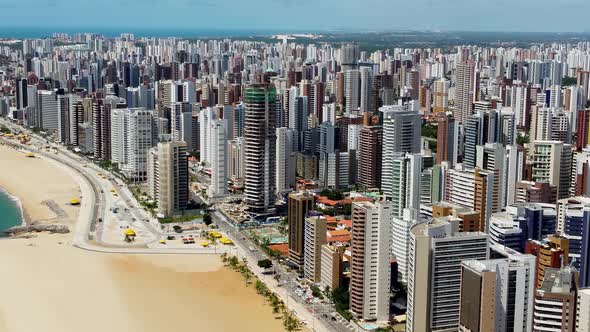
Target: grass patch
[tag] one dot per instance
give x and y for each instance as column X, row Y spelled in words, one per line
column 186, row 218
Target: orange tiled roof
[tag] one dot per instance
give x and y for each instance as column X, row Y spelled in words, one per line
column 326, row 201
column 283, row 248
column 346, row 222
column 342, row 235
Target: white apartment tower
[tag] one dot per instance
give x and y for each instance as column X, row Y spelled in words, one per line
column 285, row 160
column 218, row 159
column 370, row 269
column 401, row 133
column 434, row 273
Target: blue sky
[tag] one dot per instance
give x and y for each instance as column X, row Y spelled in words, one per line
column 302, row 15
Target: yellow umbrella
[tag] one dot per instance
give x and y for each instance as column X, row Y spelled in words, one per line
column 129, row 232
column 74, row 201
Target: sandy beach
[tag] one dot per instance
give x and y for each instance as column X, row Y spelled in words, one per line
column 47, row 285
column 32, row 181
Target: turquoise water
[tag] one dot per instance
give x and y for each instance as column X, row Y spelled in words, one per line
column 10, row 214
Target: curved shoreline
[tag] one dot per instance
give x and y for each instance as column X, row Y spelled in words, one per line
column 23, row 215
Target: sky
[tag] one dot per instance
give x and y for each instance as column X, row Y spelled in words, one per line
column 301, row 15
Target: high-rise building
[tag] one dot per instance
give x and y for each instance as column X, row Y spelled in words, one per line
column 331, row 265
column 473, row 128
column 583, row 314
column 181, row 123
column 366, row 84
column 401, row 133
column 464, row 90
column 551, row 253
column 47, row 110
column 404, row 185
column 63, row 118
column 101, row 122
column 260, row 143
column 551, row 163
column 352, row 93
column 577, row 230
column 555, row 302
column 491, row 157
column 131, row 138
column 315, row 238
column 441, row 96
column 285, row 160
column 298, row 205
column 168, row 177
column 21, row 93
column 434, row 258
column 370, row 256
column 471, row 189
column 497, row 295
column 400, row 227
column 369, row 156
column 447, row 139
column 583, row 128
column 236, row 161
column 218, row 161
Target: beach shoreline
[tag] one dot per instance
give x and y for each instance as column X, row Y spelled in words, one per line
column 19, row 203
column 33, row 181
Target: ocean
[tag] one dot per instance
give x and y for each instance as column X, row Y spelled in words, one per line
column 41, row 32
column 10, row 212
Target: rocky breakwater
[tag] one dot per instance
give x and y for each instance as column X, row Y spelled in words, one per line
column 53, row 228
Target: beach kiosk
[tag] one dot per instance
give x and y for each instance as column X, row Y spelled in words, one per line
column 129, row 235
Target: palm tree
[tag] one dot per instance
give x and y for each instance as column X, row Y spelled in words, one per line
column 247, row 276
column 275, row 307
column 233, row 262
column 224, row 258
column 260, row 287
column 290, row 323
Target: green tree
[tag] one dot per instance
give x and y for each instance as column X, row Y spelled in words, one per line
column 290, row 323
column 334, row 195
column 207, row 219
column 388, row 328
column 4, row 130
column 234, row 262
column 260, row 287
column 265, row 263
column 569, row 81
column 522, row 139
column 340, row 296
column 429, row 130
column 283, row 226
